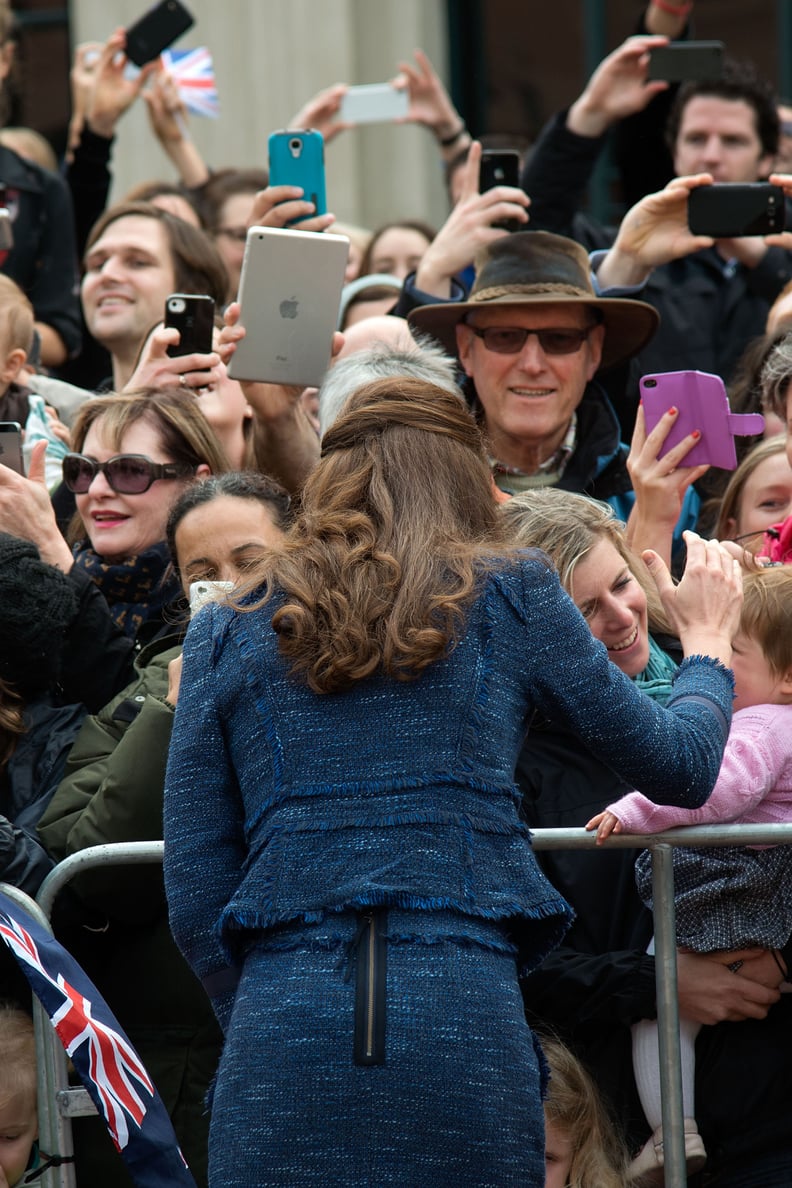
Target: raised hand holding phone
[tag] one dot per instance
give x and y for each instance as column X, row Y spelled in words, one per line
column 156, row 30
column 471, row 225
column 192, row 315
column 296, row 158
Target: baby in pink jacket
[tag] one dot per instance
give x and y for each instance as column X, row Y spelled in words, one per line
column 737, row 897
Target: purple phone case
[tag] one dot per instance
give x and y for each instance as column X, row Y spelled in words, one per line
column 703, row 404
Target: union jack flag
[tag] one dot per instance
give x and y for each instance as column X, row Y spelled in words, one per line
column 193, row 71
column 105, row 1060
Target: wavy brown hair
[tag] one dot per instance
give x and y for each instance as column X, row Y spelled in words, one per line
column 385, row 557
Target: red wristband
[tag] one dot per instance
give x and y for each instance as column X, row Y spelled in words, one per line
column 677, row 10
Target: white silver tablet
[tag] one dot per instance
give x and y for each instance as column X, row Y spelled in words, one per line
column 289, row 292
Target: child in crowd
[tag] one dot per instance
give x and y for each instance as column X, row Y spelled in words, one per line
column 19, row 1150
column 735, row 898
column 17, row 403
column 582, row 1145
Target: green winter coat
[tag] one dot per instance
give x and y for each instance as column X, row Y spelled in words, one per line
column 115, row 919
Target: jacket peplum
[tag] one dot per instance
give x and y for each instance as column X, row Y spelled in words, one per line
column 283, row 807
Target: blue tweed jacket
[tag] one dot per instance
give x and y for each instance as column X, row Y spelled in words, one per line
column 282, row 805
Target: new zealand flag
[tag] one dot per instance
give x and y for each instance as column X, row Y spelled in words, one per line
column 106, row 1062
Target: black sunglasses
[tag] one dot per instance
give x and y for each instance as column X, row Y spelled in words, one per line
column 510, row 340
column 127, row 474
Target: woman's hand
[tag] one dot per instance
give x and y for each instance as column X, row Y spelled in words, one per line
column 321, row 113
column 166, row 111
column 113, row 92
column 26, row 510
column 429, row 101
column 268, row 401
column 157, row 369
column 659, row 484
column 705, row 607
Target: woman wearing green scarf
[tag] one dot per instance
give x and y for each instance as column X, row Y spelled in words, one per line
column 608, row 583
column 601, row 979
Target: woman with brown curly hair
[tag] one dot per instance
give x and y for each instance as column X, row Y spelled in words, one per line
column 344, row 862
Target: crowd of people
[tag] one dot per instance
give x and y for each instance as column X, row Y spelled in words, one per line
column 343, row 649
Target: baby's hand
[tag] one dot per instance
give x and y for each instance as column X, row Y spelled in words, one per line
column 605, row 824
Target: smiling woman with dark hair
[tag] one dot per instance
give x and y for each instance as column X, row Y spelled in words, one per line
column 112, row 792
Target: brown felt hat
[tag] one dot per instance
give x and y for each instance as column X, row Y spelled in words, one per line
column 538, row 268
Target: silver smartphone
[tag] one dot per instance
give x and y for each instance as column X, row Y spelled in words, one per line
column 203, row 592
column 374, row 103
column 289, row 293
column 11, row 446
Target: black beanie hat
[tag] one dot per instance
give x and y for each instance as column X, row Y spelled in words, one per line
column 37, row 605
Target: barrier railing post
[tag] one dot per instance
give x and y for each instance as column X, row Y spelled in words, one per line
column 668, row 1017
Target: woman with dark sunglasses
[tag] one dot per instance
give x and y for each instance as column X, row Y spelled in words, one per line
column 217, row 530
column 132, row 457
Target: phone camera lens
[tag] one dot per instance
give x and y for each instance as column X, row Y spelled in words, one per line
column 650, row 383
column 295, row 147
column 176, row 305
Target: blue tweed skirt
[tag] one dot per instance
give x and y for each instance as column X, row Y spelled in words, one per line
column 454, row 1096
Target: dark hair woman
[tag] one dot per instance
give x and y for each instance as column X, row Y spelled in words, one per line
column 112, row 792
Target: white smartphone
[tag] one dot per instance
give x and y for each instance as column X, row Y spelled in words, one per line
column 11, row 446
column 203, row 592
column 289, row 293
column 374, row 103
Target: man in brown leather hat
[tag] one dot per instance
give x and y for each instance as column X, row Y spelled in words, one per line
column 530, row 337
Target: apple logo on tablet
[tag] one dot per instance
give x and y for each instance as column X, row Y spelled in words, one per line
column 288, row 309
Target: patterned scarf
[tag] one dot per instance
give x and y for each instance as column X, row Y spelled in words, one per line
column 655, row 680
column 136, row 589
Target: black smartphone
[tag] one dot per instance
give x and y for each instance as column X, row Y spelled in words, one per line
column 11, row 446
column 193, row 316
column 682, row 61
column 156, row 30
column 500, row 167
column 731, row 210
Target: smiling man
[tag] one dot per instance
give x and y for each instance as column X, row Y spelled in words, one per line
column 531, row 338
column 136, row 256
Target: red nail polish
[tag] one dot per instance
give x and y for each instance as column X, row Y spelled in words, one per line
column 696, row 434
column 673, row 410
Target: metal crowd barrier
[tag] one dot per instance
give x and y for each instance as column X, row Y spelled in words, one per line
column 59, row 1102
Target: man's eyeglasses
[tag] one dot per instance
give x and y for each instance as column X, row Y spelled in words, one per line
column 510, row 340
column 127, row 474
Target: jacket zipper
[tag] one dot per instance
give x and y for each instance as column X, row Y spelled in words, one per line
column 370, row 991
